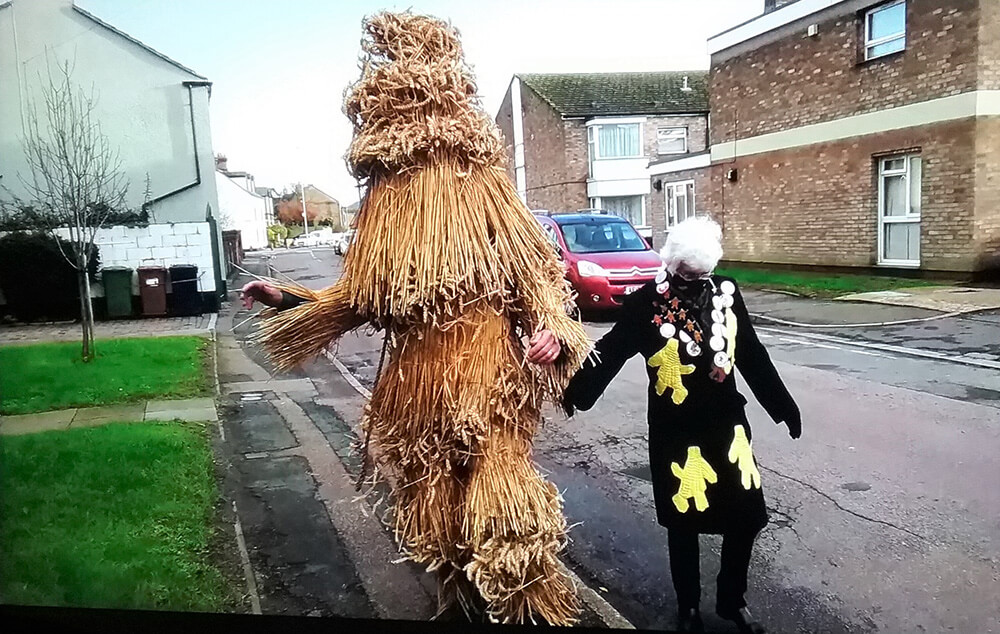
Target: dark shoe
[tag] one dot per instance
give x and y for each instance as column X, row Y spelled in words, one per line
column 743, row 620
column 689, row 620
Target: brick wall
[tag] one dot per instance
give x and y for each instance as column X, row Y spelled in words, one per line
column 987, row 222
column 800, row 80
column 656, row 204
column 697, row 133
column 554, row 176
column 818, row 204
column 989, row 45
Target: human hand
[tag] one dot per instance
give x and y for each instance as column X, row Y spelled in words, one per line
column 544, row 348
column 262, row 292
column 794, row 423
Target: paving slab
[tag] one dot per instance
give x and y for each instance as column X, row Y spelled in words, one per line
column 947, row 299
column 188, row 409
column 91, row 416
column 33, row 423
column 280, row 385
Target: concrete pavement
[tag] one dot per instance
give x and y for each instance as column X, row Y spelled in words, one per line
column 189, row 409
column 946, row 299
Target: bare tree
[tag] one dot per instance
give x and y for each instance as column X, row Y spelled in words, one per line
column 76, row 178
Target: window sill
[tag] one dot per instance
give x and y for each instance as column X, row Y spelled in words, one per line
column 881, row 58
column 898, row 264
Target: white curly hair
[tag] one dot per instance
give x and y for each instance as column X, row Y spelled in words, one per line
column 695, row 242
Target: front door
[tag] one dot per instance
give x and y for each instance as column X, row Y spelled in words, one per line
column 679, row 202
column 899, row 210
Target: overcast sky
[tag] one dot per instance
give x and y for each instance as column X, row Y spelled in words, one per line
column 280, row 68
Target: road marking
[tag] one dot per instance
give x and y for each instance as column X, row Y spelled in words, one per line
column 871, row 354
column 611, row 617
column 809, row 343
column 884, row 347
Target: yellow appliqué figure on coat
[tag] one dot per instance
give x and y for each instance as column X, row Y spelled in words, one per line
column 695, row 477
column 741, row 454
column 730, row 339
column 670, row 371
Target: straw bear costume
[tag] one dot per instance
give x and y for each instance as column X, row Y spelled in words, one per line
column 449, row 262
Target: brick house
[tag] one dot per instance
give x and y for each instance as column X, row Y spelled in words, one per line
column 586, row 140
column 857, row 133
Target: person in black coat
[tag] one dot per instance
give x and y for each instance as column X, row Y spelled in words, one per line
column 692, row 328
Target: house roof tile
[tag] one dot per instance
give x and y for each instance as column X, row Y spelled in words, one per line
column 605, row 94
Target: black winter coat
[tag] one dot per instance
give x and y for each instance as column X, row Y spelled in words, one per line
column 705, row 477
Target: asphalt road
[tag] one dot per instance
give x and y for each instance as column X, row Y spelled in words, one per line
column 885, row 515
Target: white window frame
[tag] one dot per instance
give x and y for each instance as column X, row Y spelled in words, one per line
column 908, row 218
column 670, row 190
column 595, row 203
column 593, row 143
column 671, row 129
column 870, row 43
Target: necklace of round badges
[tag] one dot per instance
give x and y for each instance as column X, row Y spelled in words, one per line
column 676, row 322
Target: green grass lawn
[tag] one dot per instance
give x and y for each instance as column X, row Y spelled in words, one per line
column 819, row 284
column 49, row 376
column 117, row 516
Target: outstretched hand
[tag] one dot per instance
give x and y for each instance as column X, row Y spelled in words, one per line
column 262, row 292
column 794, row 423
column 544, row 348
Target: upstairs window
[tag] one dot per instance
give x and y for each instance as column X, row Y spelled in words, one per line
column 612, row 140
column 671, row 140
column 885, row 29
column 619, row 140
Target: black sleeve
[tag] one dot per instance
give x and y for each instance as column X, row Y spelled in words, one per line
column 758, row 370
column 290, row 301
column 616, row 347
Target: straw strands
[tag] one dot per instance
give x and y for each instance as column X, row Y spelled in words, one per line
column 452, row 265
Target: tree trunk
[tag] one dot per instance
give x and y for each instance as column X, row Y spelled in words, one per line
column 81, row 275
column 89, row 312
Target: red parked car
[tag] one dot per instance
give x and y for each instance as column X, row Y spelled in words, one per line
column 605, row 256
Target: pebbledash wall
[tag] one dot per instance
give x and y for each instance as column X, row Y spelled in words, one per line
column 152, row 109
column 803, row 120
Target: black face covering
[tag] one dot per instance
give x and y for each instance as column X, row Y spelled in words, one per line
column 693, row 290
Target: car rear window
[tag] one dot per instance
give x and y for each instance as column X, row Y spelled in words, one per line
column 601, row 237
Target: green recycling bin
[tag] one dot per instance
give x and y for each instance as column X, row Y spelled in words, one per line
column 118, row 291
